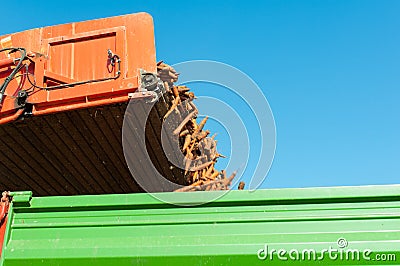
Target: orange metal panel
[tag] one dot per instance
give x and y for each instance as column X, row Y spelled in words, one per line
column 77, row 52
column 4, row 205
column 3, row 226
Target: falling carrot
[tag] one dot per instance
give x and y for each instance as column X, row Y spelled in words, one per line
column 210, row 169
column 174, row 105
column 201, row 166
column 175, row 91
column 187, row 165
column 184, row 122
column 184, row 133
column 186, row 144
column 201, row 125
column 182, row 89
column 195, row 176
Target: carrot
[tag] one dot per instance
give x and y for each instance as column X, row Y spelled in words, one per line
column 189, row 94
column 201, row 125
column 190, row 187
column 195, row 176
column 201, row 135
column 166, row 86
column 186, row 144
column 194, row 123
column 184, row 122
column 187, row 164
column 241, row 185
column 184, row 133
column 201, row 166
column 189, row 154
column 173, row 75
column 228, row 181
column 190, row 149
column 175, row 91
column 182, row 89
column 174, row 105
column 210, row 169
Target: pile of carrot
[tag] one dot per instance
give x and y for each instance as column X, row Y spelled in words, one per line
column 199, row 150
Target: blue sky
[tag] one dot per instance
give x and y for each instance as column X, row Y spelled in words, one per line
column 329, row 69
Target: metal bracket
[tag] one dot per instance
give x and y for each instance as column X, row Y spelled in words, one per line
column 22, row 198
column 149, row 82
column 152, row 95
column 21, row 98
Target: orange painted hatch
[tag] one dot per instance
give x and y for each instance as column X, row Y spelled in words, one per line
column 76, row 65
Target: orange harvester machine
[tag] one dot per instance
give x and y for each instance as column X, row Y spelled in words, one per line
column 64, row 91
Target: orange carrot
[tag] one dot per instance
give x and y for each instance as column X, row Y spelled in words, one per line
column 186, row 144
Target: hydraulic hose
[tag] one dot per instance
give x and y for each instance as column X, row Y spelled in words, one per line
column 15, row 71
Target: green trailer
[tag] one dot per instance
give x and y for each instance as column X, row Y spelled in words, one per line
column 310, row 226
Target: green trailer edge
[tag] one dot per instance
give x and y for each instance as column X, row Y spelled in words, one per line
column 357, row 225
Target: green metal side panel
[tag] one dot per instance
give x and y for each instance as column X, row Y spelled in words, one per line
column 137, row 229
